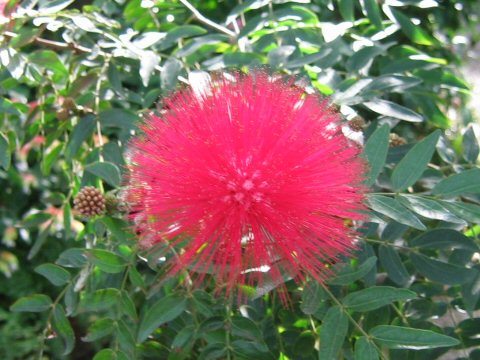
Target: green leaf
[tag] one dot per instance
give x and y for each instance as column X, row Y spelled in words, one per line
column 32, row 303
column 109, row 354
column 470, row 145
column 428, row 208
column 332, row 334
column 444, row 239
column 99, row 329
column 62, row 328
column 375, row 152
column 106, row 171
column 73, row 257
column 170, row 71
column 392, row 83
column 372, row 10
column 441, row 272
column 388, row 108
column 180, row 32
column 312, row 296
column 107, row 261
column 277, row 57
column 464, row 182
column 412, row 166
column 375, row 297
column 393, row 209
column 364, row 57
column 365, row 350
column 163, row 311
column 5, row 154
column 346, row 8
column 397, row 337
column 54, row 273
column 348, row 276
column 81, row 132
column 53, row 6
column 308, row 59
column 118, row 118
column 99, row 300
column 414, row 32
column 393, row 265
column 468, row 212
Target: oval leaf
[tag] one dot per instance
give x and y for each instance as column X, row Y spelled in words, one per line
column 54, row 273
column 444, row 239
column 397, row 337
column 467, row 181
column 375, row 152
column 106, row 171
column 412, row 166
column 351, row 275
column 32, row 303
column 375, row 297
column 164, row 310
column 332, row 334
column 365, row 350
column 441, row 272
column 393, row 209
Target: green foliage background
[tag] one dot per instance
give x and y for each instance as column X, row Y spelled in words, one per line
column 76, row 76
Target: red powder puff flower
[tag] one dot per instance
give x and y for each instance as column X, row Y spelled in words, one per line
column 251, row 177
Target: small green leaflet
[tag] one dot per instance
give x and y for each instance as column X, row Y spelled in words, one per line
column 412, row 166
column 332, row 334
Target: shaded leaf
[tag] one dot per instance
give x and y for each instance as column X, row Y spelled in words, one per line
column 444, row 239
column 392, row 263
column 62, row 328
column 441, row 272
column 375, row 297
column 164, row 310
column 332, row 334
column 397, row 337
column 375, row 152
column 349, row 275
column 54, row 273
column 32, row 303
column 393, row 209
column 106, row 171
column 365, row 350
column 464, row 182
column 412, row 166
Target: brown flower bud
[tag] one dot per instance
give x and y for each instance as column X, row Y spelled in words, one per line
column 69, row 104
column 396, row 140
column 62, row 114
column 89, row 202
column 357, row 123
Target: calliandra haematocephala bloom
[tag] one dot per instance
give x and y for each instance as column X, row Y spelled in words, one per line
column 251, row 173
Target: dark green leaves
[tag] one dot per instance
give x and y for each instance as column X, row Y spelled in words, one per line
column 388, row 108
column 393, row 209
column 332, row 334
column 99, row 300
column 375, row 297
column 348, row 275
column 466, row 181
column 106, row 171
column 365, row 350
column 397, row 337
column 107, row 261
column 54, row 273
column 411, row 167
column 414, row 32
column 375, row 152
column 444, row 239
column 5, row 154
column 441, row 272
column 164, row 310
column 63, row 329
column 32, row 303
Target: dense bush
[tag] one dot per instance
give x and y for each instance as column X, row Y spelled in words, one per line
column 76, row 78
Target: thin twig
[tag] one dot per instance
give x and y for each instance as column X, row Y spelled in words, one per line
column 207, row 21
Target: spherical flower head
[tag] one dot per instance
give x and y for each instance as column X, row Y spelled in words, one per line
column 251, row 177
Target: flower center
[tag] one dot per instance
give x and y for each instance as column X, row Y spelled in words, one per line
column 245, row 190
